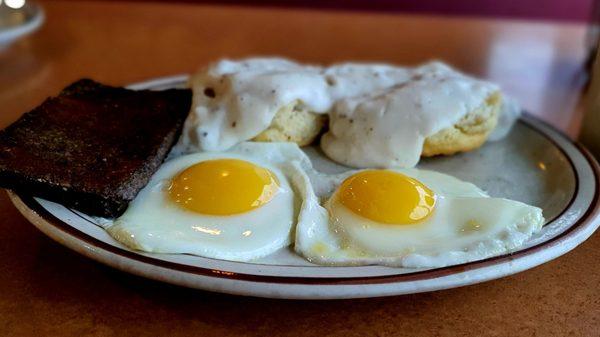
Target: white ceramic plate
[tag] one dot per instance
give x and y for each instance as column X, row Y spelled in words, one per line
column 534, row 164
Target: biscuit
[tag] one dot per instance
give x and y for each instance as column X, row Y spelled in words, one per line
column 293, row 123
column 469, row 133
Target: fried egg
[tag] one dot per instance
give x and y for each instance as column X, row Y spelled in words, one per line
column 238, row 205
column 411, row 218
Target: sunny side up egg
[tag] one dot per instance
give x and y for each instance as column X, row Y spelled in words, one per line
column 237, row 205
column 411, row 218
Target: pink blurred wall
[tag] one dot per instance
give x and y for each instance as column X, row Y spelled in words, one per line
column 555, row 10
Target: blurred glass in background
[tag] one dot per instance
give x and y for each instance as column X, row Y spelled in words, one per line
column 17, row 19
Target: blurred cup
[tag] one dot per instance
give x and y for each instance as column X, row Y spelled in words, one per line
column 590, row 130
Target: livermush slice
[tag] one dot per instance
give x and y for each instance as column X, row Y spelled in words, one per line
column 93, row 147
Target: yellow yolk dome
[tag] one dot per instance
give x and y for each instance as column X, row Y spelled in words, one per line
column 223, row 187
column 387, row 197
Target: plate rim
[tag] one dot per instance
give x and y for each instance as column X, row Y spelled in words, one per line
column 584, row 225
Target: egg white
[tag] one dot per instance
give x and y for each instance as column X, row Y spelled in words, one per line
column 466, row 225
column 153, row 223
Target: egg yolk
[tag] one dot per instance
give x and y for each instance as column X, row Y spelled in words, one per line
column 387, row 197
column 223, row 187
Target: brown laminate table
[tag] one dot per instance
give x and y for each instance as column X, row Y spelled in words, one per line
column 48, row 290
